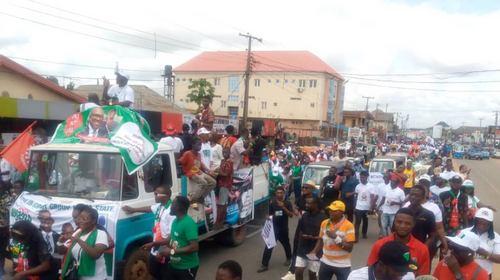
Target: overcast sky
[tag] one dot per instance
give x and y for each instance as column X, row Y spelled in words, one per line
column 376, row 37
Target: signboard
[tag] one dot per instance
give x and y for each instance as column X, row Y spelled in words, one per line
column 219, row 123
column 376, row 178
column 28, row 206
column 354, row 132
column 113, row 126
column 268, row 234
column 240, row 208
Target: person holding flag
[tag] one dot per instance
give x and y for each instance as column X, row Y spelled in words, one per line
column 161, row 229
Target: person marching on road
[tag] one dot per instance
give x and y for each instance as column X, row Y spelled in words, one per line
column 425, row 227
column 280, row 210
column 309, row 231
column 161, row 229
column 347, row 186
column 327, row 191
column 473, row 201
column 410, row 173
column 337, row 240
column 365, row 204
column 381, row 190
column 392, row 200
column 456, row 209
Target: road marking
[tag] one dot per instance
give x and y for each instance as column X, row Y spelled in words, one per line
column 488, row 181
column 255, row 232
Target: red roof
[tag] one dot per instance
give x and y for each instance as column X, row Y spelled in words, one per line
column 262, row 61
column 40, row 80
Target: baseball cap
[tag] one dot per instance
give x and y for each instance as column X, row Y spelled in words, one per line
column 466, row 239
column 123, row 74
column 443, row 176
column 170, row 129
column 425, row 177
column 396, row 255
column 468, row 184
column 203, row 131
column 309, row 183
column 336, row 205
column 485, row 213
column 275, row 172
column 456, row 178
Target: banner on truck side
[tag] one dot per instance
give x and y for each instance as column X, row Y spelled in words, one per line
column 113, row 126
column 28, row 206
column 240, row 209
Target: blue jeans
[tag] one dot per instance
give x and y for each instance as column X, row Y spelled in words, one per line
column 387, row 221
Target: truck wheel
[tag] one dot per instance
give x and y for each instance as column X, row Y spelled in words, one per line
column 137, row 267
column 237, row 235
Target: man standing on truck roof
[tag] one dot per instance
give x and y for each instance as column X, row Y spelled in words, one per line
column 207, row 114
column 161, row 229
column 122, row 94
column 183, row 243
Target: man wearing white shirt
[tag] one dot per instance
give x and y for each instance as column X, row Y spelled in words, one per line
column 393, row 198
column 5, row 170
column 206, row 148
column 365, row 203
column 381, row 189
column 448, row 170
column 93, row 99
column 172, row 140
column 440, row 185
column 121, row 91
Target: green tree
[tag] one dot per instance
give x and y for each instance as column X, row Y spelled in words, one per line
column 200, row 88
column 70, row 86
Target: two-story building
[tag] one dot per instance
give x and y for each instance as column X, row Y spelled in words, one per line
column 295, row 88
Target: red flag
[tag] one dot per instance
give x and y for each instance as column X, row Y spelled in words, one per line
column 17, row 152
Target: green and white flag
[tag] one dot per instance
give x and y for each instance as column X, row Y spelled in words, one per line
column 113, row 126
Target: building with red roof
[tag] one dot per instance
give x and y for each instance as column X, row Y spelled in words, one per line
column 295, row 88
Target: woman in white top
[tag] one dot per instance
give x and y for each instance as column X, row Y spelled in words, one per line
column 489, row 248
column 87, row 246
column 216, row 150
column 474, row 202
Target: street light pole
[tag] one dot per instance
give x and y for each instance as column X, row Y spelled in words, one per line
column 338, row 119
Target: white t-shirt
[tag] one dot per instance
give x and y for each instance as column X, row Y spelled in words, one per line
column 100, row 265
column 125, row 93
column 176, row 145
column 470, row 202
column 6, row 166
column 206, row 154
column 448, row 174
column 491, row 246
column 396, row 195
column 217, row 156
column 362, row 274
column 363, row 192
column 87, row 105
column 166, row 221
column 437, row 190
column 433, row 207
column 381, row 190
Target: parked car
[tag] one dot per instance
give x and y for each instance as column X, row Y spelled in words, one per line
column 486, row 154
column 475, row 154
column 496, row 153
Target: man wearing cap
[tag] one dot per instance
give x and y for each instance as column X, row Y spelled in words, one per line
column 207, row 114
column 347, row 186
column 440, row 185
column 121, row 90
column 460, row 265
column 275, row 180
column 394, row 262
column 404, row 222
column 309, row 231
column 455, row 203
column 206, row 148
column 336, row 239
column 172, row 140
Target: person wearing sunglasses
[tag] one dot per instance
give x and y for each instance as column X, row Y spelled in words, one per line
column 34, row 258
column 77, row 209
column 460, row 264
column 161, row 229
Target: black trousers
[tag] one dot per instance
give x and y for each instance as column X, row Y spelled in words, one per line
column 326, row 272
column 295, row 250
column 4, row 242
column 157, row 269
column 180, row 274
column 361, row 215
column 349, row 209
column 283, row 238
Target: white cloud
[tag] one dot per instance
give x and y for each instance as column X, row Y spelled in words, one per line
column 373, row 36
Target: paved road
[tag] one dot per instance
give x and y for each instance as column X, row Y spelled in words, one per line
column 484, row 174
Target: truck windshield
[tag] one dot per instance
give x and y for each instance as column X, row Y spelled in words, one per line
column 82, row 175
column 316, row 174
column 381, row 166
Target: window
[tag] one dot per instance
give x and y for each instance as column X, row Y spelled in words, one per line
column 264, row 105
column 277, row 81
column 217, row 82
column 183, row 79
column 190, row 80
column 223, row 103
column 187, row 100
column 234, row 84
column 312, row 105
column 233, row 110
column 353, row 123
column 312, row 83
column 295, row 98
column 157, row 173
column 242, row 104
column 217, row 96
column 275, row 104
column 293, row 81
column 269, row 81
column 257, row 82
column 233, row 98
column 30, row 96
column 286, row 81
column 302, row 83
column 296, row 122
column 178, row 79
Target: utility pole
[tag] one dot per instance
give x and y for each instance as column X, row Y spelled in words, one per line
column 386, row 121
column 463, row 129
column 481, row 122
column 247, row 75
column 367, row 100
column 496, row 124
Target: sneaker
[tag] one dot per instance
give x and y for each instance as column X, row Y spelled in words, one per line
column 364, row 236
column 288, row 276
column 262, row 268
column 287, row 262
